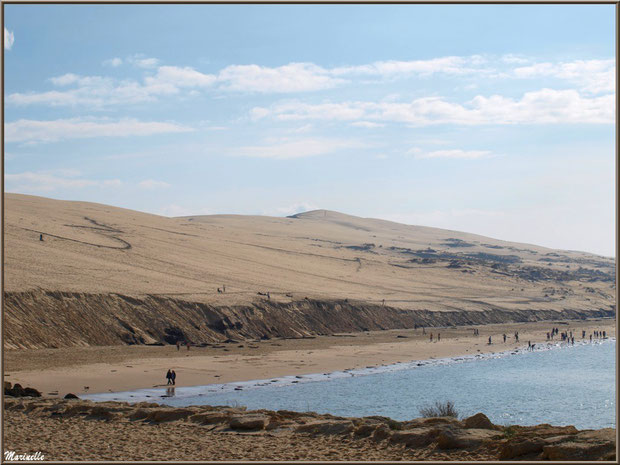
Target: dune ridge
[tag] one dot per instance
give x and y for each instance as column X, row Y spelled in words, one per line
column 107, row 275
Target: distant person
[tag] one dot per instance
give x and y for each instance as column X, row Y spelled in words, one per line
column 547, row 336
column 173, row 376
column 504, row 338
column 169, row 377
column 438, row 337
column 517, row 336
column 590, row 337
column 532, row 347
column 178, row 345
column 489, row 340
column 583, row 334
column 40, row 237
column 431, row 337
column 572, row 340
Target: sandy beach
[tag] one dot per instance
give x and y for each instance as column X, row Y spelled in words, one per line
column 56, row 372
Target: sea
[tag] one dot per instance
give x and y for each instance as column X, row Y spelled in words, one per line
column 556, row 383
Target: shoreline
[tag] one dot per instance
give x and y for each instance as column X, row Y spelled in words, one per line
column 151, row 395
column 130, row 368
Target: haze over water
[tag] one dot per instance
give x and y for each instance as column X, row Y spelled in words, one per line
column 562, row 386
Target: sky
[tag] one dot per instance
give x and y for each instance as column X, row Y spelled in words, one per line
column 492, row 119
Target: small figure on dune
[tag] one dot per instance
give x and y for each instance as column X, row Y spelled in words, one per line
column 40, row 237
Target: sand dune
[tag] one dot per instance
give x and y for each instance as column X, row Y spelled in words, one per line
column 96, row 252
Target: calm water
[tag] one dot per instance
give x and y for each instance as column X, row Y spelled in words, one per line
column 559, row 385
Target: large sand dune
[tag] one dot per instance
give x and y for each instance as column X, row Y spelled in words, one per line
column 91, row 251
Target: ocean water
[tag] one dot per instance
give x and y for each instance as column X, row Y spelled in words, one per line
column 556, row 384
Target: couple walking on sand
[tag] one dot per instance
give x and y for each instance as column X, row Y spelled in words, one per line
column 171, row 376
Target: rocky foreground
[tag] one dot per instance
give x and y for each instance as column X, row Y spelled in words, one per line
column 75, row 429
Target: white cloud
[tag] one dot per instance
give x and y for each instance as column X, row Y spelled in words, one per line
column 152, row 184
column 31, row 182
column 514, row 59
column 454, row 154
column 294, row 77
column 65, row 79
column 298, row 207
column 93, row 91
column 392, row 68
column 594, row 76
column 141, row 61
column 113, row 62
column 77, row 128
column 589, row 76
column 9, row 39
column 180, row 77
column 543, row 106
column 298, row 148
column 367, row 124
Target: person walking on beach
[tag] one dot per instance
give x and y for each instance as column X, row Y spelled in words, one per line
column 169, row 377
column 590, row 337
column 438, row 337
column 489, row 340
column 572, row 340
column 604, row 335
column 504, row 338
column 431, row 337
column 173, row 377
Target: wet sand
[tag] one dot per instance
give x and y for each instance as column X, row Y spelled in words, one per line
column 80, row 370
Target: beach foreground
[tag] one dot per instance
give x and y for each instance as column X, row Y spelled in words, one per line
column 82, row 370
column 84, row 430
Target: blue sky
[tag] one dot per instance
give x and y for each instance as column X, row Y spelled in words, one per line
column 492, row 119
